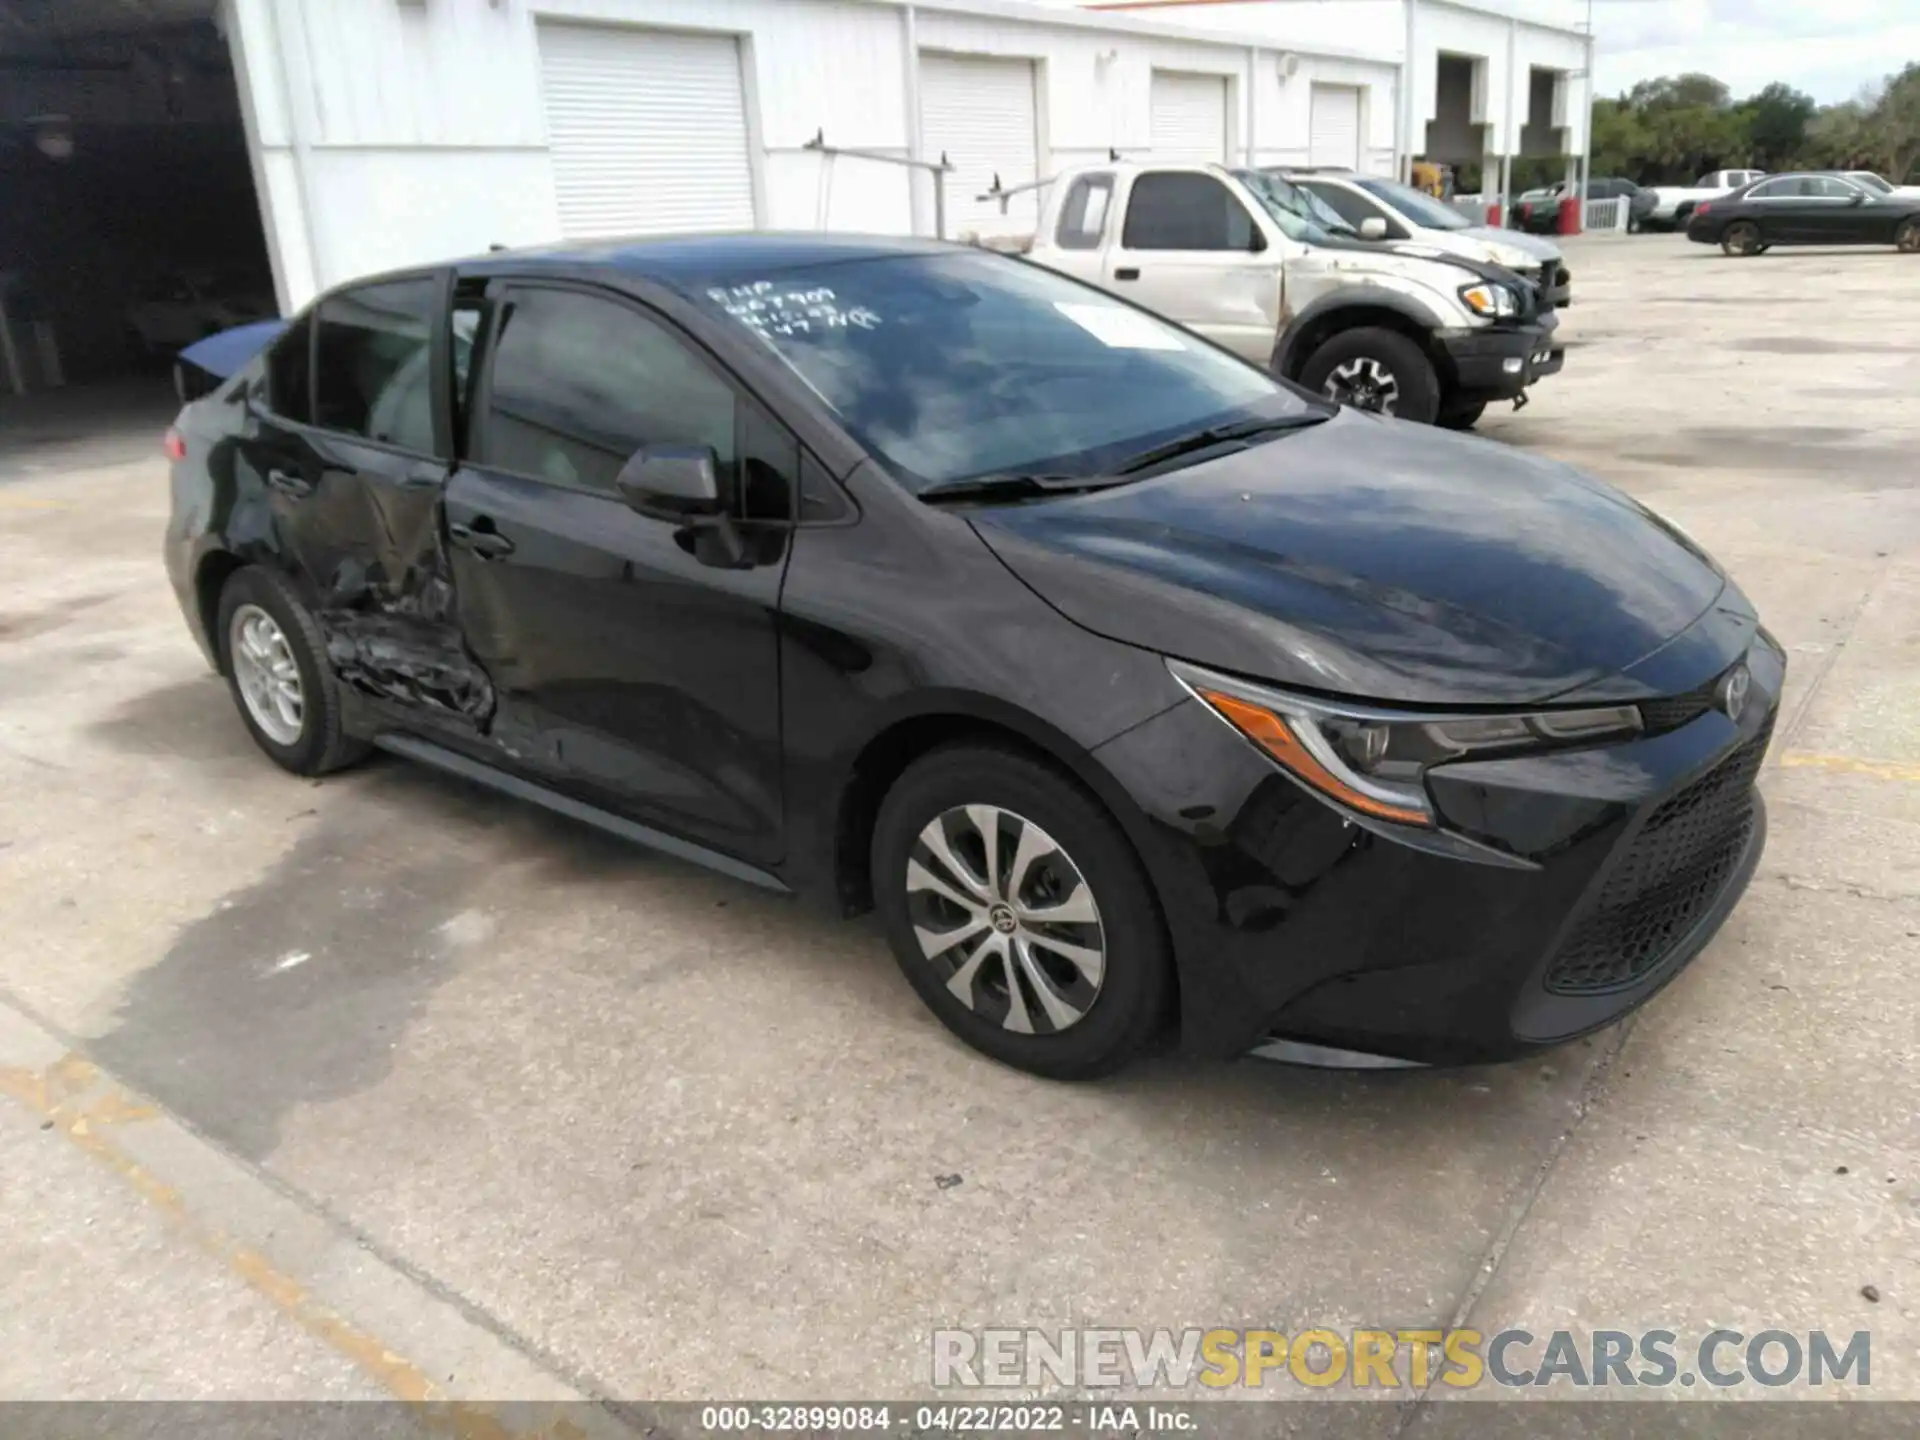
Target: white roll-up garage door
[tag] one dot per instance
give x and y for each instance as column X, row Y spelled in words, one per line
column 1334, row 128
column 647, row 130
column 979, row 112
column 1189, row 116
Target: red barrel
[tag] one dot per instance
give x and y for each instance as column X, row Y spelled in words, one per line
column 1493, row 214
column 1569, row 215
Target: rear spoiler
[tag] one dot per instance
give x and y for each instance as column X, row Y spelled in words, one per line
column 206, row 365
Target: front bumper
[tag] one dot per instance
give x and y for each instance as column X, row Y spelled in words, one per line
column 1500, row 362
column 1603, row 872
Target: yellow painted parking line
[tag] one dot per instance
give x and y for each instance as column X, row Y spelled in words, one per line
column 30, row 502
column 86, row 1108
column 1848, row 765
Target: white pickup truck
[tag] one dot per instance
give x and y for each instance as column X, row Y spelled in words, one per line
column 1673, row 205
column 1259, row 267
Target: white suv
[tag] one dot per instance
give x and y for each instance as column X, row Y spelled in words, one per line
column 1387, row 210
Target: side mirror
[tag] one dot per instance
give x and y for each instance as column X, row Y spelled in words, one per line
column 680, row 484
column 1857, row 198
column 672, row 482
column 1373, row 228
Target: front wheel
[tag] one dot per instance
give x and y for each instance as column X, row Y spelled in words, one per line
column 1907, row 238
column 1741, row 238
column 1019, row 912
column 1378, row 370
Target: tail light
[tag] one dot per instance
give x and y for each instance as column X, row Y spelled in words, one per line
column 174, row 444
column 1702, row 207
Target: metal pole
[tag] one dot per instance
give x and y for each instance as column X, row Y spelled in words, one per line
column 1408, row 122
column 916, row 141
column 1586, row 133
column 940, row 199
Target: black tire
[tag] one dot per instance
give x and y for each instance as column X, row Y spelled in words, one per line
column 1461, row 415
column 1742, row 237
column 1907, row 238
column 1129, row 1004
column 322, row 744
column 1417, row 387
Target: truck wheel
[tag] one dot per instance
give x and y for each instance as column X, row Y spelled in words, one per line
column 1375, row 369
column 1461, row 415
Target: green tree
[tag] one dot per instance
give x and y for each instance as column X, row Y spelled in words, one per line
column 1619, row 140
column 1894, row 123
column 1776, row 121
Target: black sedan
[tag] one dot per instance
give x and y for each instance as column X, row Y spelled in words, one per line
column 1806, row 210
column 1140, row 692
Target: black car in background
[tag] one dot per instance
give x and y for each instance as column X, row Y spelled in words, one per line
column 1806, row 209
column 1537, row 212
column 1138, row 691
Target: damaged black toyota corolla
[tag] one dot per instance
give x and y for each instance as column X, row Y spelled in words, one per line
column 1137, row 690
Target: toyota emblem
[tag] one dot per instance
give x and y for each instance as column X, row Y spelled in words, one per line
column 1733, row 691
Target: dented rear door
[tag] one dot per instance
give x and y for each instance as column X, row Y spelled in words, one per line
column 362, row 521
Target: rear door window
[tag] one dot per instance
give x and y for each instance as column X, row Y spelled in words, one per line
column 372, row 373
column 290, row 372
column 1083, row 214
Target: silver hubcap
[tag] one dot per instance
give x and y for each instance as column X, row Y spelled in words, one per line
column 268, row 677
column 1365, row 384
column 1006, row 918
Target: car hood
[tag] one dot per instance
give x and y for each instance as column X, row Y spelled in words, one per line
column 1372, row 558
column 1535, row 245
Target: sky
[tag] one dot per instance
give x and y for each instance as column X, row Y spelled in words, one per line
column 1828, row 48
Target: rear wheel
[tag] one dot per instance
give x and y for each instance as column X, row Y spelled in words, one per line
column 276, row 665
column 1378, row 370
column 1019, row 912
column 1461, row 415
column 1907, row 238
column 1741, row 238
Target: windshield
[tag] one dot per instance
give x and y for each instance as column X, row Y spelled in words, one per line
column 958, row 364
column 1416, row 205
column 1300, row 215
column 1870, row 180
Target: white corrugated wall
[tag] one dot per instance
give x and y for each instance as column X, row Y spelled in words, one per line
column 979, row 112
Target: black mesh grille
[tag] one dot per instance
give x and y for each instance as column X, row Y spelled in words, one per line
column 1672, row 871
column 1673, row 711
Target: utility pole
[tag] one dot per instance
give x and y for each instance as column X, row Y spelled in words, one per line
column 1408, row 112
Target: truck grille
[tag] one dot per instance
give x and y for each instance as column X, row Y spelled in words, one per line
column 1673, row 870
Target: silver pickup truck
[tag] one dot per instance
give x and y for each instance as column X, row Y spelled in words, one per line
column 1258, row 266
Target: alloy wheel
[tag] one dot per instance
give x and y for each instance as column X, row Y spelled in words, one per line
column 1741, row 239
column 268, row 676
column 1007, row 919
column 1365, row 384
column 1908, row 240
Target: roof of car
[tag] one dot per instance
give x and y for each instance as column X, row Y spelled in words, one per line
column 681, row 260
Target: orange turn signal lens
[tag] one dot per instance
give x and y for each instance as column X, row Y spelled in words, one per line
column 1273, row 734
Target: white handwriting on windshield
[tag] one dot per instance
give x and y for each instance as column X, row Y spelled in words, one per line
column 771, row 310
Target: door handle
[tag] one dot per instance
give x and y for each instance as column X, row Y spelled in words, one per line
column 482, row 540
column 288, row 483
column 1131, row 272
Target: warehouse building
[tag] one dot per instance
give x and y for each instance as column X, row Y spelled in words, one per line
column 176, row 158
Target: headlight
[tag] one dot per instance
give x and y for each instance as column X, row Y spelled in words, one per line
column 1486, row 298
column 1374, row 761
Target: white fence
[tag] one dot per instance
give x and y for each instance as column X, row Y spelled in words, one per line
column 1473, row 207
column 1607, row 214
